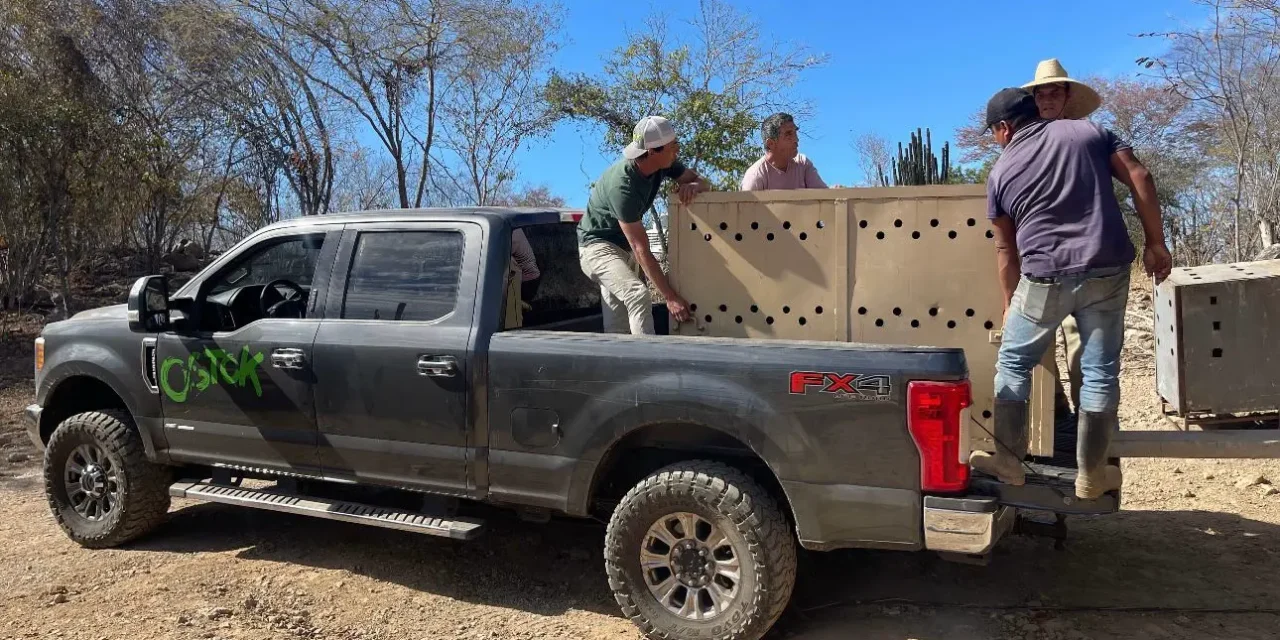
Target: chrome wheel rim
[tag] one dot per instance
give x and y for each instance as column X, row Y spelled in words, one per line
column 690, row 566
column 93, row 487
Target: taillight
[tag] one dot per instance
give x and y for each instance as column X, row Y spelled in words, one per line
column 39, row 353
column 934, row 411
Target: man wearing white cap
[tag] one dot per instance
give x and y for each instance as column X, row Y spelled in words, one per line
column 612, row 241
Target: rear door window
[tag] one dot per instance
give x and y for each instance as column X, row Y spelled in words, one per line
column 404, row 276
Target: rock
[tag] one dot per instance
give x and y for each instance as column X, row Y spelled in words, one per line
column 1249, row 481
column 1245, row 483
column 250, row 603
column 61, row 598
column 1189, row 494
column 1208, row 476
column 1269, row 490
column 1177, row 470
column 184, row 620
column 218, row 613
column 1182, row 620
column 56, row 590
column 18, row 456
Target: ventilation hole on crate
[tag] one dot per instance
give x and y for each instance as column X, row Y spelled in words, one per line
column 817, row 310
column 724, row 308
column 897, row 223
column 989, row 325
column 821, row 224
column 915, row 324
column 755, row 225
column 951, row 324
column 755, row 309
column 769, row 237
column 986, row 415
column 738, row 237
column 737, row 319
column 971, row 222
column 693, row 226
column 768, row 320
column 804, row 236
column 915, row 235
column 1171, row 352
column 879, row 235
column 724, row 226
column 879, row 322
column 968, row 313
column 862, row 311
column 952, row 234
column 862, row 224
column 694, row 307
column 897, row 311
column 1217, row 353
column 803, row 321
column 1213, row 299
column 1217, row 326
column 786, row 310
column 933, row 311
column 707, row 237
column 933, row 222
column 708, row 318
column 990, row 234
column 786, row 225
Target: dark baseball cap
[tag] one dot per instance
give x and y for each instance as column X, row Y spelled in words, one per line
column 1011, row 103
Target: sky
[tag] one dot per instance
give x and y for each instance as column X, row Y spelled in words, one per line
column 893, row 66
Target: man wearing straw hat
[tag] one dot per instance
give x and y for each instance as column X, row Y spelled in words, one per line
column 1062, row 249
column 1058, row 95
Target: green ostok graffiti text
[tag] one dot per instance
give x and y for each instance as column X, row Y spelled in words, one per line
column 221, row 365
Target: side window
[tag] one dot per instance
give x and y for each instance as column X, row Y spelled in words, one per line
column 292, row 259
column 404, row 276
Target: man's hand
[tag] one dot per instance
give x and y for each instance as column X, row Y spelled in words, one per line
column 689, row 191
column 1157, row 261
column 679, row 308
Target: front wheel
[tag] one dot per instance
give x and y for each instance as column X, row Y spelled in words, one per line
column 101, row 488
column 698, row 549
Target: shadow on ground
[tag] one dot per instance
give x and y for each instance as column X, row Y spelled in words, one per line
column 1142, row 561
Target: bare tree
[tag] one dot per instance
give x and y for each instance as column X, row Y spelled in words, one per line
column 1231, row 71
column 873, row 157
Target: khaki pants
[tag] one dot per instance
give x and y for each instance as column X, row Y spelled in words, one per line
column 1071, row 336
column 623, row 294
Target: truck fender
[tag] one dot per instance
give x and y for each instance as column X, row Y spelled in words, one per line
column 109, row 368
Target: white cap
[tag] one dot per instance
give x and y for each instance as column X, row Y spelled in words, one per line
column 651, row 132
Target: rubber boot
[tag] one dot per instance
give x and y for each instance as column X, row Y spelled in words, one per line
column 1094, row 475
column 1011, row 444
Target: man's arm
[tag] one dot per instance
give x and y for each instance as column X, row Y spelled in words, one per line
column 638, row 238
column 690, row 185
column 1008, row 264
column 1127, row 169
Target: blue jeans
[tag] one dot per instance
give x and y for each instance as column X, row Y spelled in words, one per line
column 1097, row 299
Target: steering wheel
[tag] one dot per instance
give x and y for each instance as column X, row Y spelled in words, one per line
column 274, row 304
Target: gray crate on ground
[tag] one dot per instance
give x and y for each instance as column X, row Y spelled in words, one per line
column 1218, row 338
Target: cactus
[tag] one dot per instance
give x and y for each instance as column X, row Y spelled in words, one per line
column 916, row 164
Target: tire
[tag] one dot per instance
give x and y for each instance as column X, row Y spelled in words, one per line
column 745, row 518
column 103, row 445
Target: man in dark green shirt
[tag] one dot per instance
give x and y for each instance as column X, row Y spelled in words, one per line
column 612, row 241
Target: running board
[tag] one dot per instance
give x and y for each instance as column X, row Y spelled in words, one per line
column 456, row 528
column 1217, row 443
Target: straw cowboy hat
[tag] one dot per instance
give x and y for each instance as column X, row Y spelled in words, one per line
column 1082, row 99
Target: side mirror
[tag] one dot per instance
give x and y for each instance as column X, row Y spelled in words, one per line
column 149, row 305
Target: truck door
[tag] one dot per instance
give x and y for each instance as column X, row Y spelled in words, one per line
column 391, row 355
column 237, row 388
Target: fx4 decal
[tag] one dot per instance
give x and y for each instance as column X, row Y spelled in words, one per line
column 848, row 386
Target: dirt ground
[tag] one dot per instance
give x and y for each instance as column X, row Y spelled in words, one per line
column 1193, row 554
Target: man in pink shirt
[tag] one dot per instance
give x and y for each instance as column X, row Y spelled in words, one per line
column 782, row 166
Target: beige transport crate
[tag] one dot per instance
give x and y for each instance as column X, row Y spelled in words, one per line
column 893, row 266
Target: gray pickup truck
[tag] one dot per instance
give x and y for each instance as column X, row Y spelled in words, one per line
column 366, row 368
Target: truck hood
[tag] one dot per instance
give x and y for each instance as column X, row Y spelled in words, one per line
column 114, row 312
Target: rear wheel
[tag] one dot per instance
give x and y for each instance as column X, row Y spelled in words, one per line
column 101, row 488
column 699, row 549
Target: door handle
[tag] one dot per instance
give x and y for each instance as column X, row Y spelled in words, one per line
column 288, row 358
column 437, row 366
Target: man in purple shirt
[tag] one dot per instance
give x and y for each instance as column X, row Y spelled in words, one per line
column 782, row 166
column 1062, row 248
